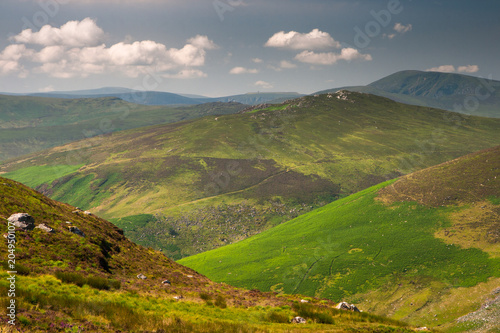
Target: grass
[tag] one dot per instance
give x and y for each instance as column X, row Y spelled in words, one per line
column 37, row 175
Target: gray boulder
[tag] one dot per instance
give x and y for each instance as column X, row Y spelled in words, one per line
column 298, row 320
column 44, row 227
column 76, row 231
column 22, row 221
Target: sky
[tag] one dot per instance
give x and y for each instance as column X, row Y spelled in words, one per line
column 226, row 47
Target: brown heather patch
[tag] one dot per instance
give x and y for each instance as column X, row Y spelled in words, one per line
column 467, row 179
column 474, row 226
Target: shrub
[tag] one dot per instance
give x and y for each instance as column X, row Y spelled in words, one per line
column 276, row 317
column 220, row 302
column 75, row 278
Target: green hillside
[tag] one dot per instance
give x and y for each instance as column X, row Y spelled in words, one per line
column 29, row 124
column 424, row 248
column 454, row 92
column 192, row 186
column 69, row 282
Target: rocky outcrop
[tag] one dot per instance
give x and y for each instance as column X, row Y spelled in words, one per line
column 347, row 307
column 298, row 320
column 22, row 221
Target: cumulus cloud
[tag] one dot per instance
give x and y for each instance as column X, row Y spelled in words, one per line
column 330, row 58
column 294, row 40
column 452, row 69
column 73, row 33
column 76, row 50
column 257, row 60
column 402, row 29
column 468, row 69
column 264, row 84
column 243, row 70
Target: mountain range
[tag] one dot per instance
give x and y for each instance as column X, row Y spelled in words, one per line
column 384, row 196
column 195, row 185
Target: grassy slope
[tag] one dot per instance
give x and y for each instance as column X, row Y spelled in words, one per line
column 439, row 90
column 424, row 248
column 29, row 124
column 69, row 283
column 217, row 180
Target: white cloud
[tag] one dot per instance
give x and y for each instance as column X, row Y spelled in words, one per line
column 402, row 29
column 243, row 70
column 330, row 58
column 287, row 64
column 315, row 39
column 452, row 69
column 442, row 68
column 186, row 74
column 71, row 51
column 257, row 60
column 468, row 69
column 264, row 84
column 73, row 33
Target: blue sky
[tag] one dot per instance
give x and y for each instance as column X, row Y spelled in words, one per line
column 225, row 47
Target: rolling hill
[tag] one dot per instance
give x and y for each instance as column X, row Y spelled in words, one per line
column 454, row 92
column 424, row 248
column 75, row 272
column 196, row 185
column 29, row 124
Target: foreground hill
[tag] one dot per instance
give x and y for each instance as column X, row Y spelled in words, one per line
column 424, row 248
column 75, row 272
column 188, row 187
column 454, row 92
column 29, row 124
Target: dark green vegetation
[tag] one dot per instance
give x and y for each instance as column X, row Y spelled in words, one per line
column 29, row 124
column 192, row 186
column 454, row 92
column 424, row 248
column 70, row 283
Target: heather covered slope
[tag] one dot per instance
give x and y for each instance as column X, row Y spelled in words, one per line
column 424, row 248
column 68, row 282
column 192, row 186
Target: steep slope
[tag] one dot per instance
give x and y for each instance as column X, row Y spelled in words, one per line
column 29, row 124
column 454, row 92
column 424, row 248
column 90, row 281
column 189, row 187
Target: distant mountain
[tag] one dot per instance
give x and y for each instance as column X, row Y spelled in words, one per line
column 29, row 124
column 132, row 96
column 199, row 184
column 75, row 272
column 424, row 248
column 454, row 92
column 166, row 98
